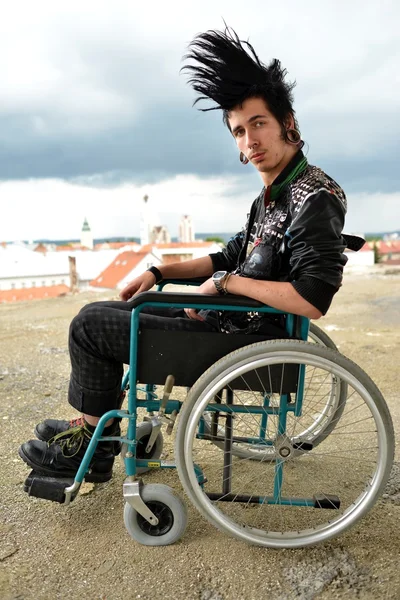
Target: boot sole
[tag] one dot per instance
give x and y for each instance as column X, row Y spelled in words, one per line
column 90, row 477
column 117, row 445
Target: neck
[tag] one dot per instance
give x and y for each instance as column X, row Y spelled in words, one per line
column 268, row 177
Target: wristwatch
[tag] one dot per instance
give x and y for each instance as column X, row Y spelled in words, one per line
column 219, row 279
column 157, row 274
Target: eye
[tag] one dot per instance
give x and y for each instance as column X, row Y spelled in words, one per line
column 259, row 123
column 239, row 133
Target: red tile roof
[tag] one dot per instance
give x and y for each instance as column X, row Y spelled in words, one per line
column 40, row 248
column 121, row 266
column 70, row 248
column 184, row 245
column 368, row 246
column 390, row 247
column 35, row 293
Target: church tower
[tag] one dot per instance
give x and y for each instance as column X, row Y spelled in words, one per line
column 86, row 236
column 146, row 222
column 186, row 230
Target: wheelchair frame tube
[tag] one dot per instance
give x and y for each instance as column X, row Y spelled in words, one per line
column 304, row 329
column 227, row 470
column 278, row 479
column 96, row 437
column 131, row 376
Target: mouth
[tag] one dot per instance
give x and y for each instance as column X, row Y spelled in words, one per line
column 258, row 156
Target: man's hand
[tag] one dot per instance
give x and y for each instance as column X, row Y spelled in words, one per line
column 207, row 287
column 144, row 282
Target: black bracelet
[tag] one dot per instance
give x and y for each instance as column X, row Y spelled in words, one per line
column 157, row 274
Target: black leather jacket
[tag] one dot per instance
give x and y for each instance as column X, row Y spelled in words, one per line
column 296, row 238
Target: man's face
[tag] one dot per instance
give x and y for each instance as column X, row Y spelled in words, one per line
column 258, row 135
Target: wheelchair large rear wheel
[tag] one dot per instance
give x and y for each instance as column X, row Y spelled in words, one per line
column 284, row 502
column 318, row 336
column 323, row 414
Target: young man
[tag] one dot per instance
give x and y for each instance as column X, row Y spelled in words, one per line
column 289, row 255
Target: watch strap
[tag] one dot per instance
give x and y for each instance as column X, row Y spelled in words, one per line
column 156, row 273
column 219, row 284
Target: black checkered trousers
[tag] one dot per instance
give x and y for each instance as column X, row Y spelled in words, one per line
column 99, row 344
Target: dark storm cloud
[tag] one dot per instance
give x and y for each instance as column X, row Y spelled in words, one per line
column 98, row 98
column 165, row 141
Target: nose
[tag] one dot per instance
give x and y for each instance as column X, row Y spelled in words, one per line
column 251, row 141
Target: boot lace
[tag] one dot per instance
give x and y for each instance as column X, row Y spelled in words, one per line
column 74, row 438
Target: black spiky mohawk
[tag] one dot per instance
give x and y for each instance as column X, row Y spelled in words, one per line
column 229, row 71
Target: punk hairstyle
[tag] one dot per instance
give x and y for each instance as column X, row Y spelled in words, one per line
column 229, row 72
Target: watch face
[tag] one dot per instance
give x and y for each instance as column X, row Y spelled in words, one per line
column 219, row 275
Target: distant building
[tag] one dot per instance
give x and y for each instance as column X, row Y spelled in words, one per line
column 125, row 267
column 37, row 271
column 186, row 231
column 144, row 222
column 389, row 251
column 160, row 235
column 86, row 236
column 35, row 293
column 116, row 246
column 41, row 248
column 363, row 258
column 23, row 269
column 180, row 252
column 148, row 219
column 394, row 236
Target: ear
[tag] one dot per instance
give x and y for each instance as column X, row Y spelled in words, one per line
column 289, row 122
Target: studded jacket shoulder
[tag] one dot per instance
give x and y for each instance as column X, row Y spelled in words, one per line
column 297, row 236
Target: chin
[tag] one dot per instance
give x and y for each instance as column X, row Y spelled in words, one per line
column 263, row 168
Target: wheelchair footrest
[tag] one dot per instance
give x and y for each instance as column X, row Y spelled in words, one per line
column 48, row 488
column 326, row 501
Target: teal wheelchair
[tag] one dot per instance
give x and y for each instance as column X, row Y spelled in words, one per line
column 280, row 443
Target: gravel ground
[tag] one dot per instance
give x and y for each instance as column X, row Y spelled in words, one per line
column 84, row 551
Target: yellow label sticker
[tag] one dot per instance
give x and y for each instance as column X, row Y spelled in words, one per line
column 154, row 464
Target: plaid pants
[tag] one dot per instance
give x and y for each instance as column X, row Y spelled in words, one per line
column 99, row 342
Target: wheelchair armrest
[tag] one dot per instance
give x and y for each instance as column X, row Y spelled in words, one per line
column 194, row 281
column 182, row 299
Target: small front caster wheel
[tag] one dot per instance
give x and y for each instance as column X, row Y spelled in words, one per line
column 168, row 508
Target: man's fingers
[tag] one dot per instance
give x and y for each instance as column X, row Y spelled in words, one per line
column 141, row 284
column 127, row 293
column 193, row 314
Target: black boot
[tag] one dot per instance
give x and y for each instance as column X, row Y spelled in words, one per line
column 50, row 428
column 63, row 456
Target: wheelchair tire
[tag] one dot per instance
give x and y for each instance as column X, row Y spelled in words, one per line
column 286, row 503
column 321, row 427
column 168, row 508
column 318, row 336
column 143, row 432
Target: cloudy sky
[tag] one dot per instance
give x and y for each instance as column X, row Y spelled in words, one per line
column 94, row 112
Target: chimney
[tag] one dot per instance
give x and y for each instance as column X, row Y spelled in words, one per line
column 73, row 276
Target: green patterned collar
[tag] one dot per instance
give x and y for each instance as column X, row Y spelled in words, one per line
column 297, row 165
